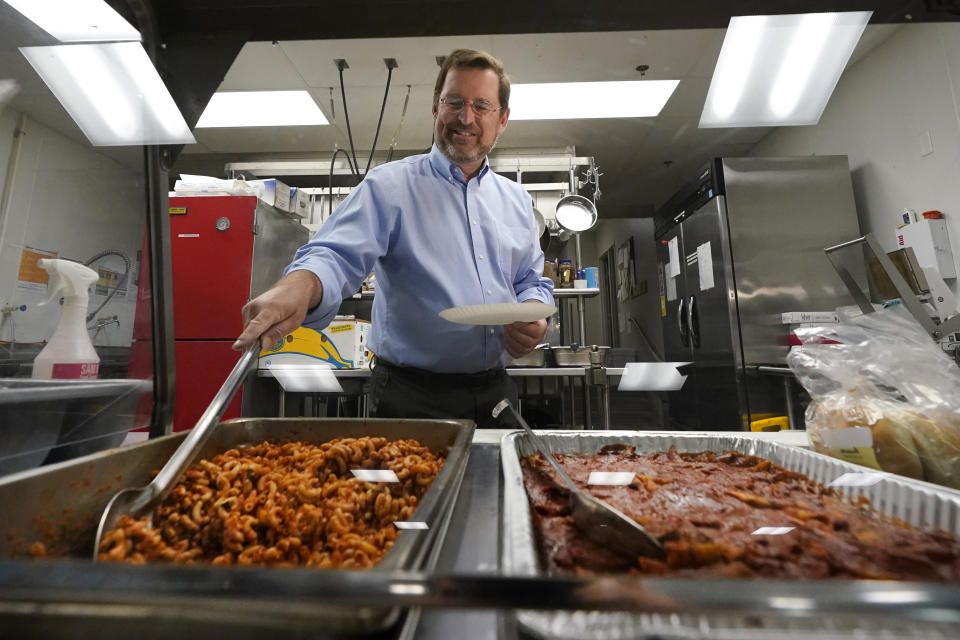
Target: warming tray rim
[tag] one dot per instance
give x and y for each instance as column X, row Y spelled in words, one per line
column 519, row 555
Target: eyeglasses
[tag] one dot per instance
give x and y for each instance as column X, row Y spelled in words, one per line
column 480, row 107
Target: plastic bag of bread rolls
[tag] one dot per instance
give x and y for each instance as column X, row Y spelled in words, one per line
column 884, row 395
column 868, row 431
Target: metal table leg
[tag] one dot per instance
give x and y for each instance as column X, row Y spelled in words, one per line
column 788, row 394
column 587, row 422
column 606, row 403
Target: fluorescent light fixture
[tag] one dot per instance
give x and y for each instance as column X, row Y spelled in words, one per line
column 77, row 20
column 407, row 589
column 780, row 70
column 772, row 531
column 305, row 378
column 262, row 109
column 112, row 91
column 895, row 596
column 652, row 376
column 375, row 475
column 577, row 100
column 744, row 35
column 791, row 603
column 412, row 525
column 611, row 478
column 856, row 480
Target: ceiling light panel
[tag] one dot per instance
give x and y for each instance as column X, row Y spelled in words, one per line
column 580, row 100
column 77, row 20
column 780, row 70
column 262, row 109
column 611, row 478
column 375, row 475
column 112, row 91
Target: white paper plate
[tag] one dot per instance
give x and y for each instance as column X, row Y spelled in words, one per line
column 503, row 313
column 652, row 376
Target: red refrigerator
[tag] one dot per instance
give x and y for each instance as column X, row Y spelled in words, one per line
column 224, row 251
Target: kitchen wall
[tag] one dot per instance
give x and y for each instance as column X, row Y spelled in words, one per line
column 70, row 199
column 613, row 232
column 885, row 109
column 638, row 409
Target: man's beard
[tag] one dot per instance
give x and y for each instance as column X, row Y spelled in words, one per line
column 459, row 157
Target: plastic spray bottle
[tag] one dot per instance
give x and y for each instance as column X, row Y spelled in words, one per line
column 69, row 354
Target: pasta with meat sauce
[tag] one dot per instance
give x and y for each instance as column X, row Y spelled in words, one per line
column 282, row 504
column 730, row 515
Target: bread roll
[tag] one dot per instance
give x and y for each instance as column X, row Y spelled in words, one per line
column 895, row 446
column 893, row 442
column 938, row 444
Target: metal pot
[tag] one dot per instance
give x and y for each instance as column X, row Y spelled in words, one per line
column 577, row 356
column 536, row 358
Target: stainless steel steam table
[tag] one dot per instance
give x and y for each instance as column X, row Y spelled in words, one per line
column 572, row 373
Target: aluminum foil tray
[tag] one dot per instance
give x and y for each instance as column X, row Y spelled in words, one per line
column 61, row 505
column 921, row 504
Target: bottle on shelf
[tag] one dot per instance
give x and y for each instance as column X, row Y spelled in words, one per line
column 567, row 273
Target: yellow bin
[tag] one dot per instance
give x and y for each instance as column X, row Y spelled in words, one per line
column 777, row 423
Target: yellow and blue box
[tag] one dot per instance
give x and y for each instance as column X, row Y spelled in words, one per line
column 342, row 345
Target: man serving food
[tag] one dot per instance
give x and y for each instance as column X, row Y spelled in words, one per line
column 439, row 230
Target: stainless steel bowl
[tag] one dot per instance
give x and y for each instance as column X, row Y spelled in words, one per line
column 576, row 356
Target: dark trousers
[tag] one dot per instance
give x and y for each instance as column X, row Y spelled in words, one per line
column 407, row 392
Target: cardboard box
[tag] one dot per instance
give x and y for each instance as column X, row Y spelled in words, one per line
column 804, row 317
column 931, row 244
column 299, row 202
column 273, row 192
column 342, row 345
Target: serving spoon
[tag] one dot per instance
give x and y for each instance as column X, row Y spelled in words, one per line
column 136, row 502
column 597, row 520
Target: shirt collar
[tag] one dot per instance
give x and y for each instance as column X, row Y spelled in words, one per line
column 442, row 165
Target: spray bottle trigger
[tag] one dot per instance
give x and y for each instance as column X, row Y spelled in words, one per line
column 54, row 283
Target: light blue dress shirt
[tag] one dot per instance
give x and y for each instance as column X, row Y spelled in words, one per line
column 433, row 242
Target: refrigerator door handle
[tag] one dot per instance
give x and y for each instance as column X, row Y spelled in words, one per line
column 682, row 322
column 693, row 322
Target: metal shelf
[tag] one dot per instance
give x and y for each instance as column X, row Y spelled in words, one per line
column 523, row 372
column 538, row 161
column 573, row 293
column 557, row 293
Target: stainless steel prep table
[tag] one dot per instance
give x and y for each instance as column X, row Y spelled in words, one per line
column 359, row 377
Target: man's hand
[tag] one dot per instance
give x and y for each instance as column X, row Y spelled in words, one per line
column 520, row 338
column 278, row 311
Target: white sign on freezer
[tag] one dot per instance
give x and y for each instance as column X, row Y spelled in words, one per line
column 705, row 262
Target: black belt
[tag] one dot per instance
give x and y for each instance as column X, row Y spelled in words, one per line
column 433, row 377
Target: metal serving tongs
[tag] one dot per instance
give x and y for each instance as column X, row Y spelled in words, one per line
column 136, row 502
column 598, row 521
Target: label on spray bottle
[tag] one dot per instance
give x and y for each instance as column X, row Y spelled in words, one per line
column 72, row 370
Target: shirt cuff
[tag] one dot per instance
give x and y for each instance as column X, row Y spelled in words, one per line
column 323, row 314
column 535, row 293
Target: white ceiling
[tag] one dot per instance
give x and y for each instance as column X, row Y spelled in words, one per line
column 632, row 153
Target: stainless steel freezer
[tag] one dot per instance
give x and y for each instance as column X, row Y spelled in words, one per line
column 739, row 246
